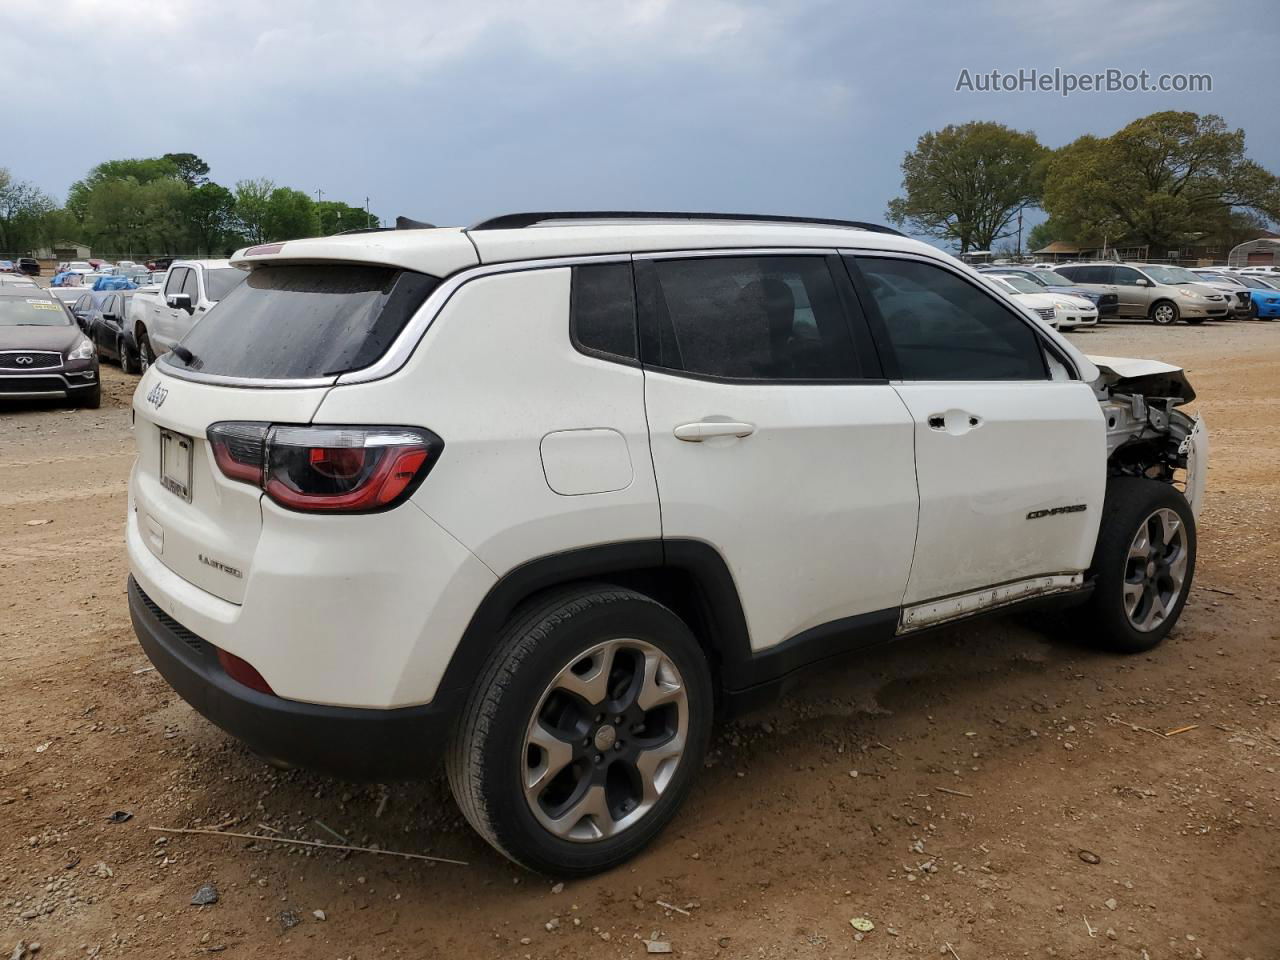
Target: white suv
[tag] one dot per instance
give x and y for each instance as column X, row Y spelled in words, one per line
column 544, row 495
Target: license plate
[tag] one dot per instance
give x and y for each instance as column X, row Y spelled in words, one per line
column 175, row 464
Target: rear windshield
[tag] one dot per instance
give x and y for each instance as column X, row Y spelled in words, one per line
column 304, row 321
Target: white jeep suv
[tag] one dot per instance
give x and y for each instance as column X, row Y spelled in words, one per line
column 545, row 495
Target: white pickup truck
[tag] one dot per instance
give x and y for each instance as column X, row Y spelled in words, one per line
column 160, row 318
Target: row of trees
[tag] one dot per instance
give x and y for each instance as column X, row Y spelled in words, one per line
column 165, row 205
column 1165, row 181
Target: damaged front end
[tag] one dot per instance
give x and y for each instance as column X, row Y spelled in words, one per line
column 1146, row 435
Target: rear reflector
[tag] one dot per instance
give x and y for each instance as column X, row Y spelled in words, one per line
column 326, row 469
column 243, row 672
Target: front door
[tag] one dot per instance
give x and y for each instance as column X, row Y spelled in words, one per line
column 1010, row 454
column 773, row 439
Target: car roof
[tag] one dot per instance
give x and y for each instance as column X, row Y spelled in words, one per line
column 17, row 291
column 441, row 251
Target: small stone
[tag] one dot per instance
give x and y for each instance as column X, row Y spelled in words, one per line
column 723, row 942
column 862, row 924
column 1110, row 903
column 289, row 919
column 120, row 816
column 552, row 924
column 205, row 895
column 657, row 946
column 1112, row 935
column 853, row 774
column 100, row 869
column 605, row 935
column 695, row 856
column 525, row 941
column 319, row 914
column 1088, row 856
column 558, row 888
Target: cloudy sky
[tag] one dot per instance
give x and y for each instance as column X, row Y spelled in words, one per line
column 452, row 110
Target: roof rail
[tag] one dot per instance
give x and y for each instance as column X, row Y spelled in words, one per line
column 516, row 221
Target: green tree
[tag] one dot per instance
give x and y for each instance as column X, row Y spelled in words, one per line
column 1161, row 181
column 210, row 215
column 335, row 217
column 191, row 169
column 966, row 183
column 289, row 214
column 1043, row 234
column 23, row 206
column 252, row 198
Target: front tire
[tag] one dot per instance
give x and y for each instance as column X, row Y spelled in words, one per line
column 1143, row 565
column 584, row 731
column 1164, row 312
column 145, row 355
column 128, row 362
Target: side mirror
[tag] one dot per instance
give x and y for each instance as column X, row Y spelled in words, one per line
column 180, row 301
column 107, row 315
column 1143, row 282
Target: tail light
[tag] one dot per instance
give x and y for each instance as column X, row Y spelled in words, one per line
column 319, row 469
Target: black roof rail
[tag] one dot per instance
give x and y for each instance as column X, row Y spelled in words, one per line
column 516, row 221
column 402, row 223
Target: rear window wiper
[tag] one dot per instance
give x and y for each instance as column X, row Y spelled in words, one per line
column 183, row 354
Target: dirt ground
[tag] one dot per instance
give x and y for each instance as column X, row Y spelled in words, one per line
column 986, row 787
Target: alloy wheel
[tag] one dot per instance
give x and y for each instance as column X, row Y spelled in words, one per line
column 1164, row 313
column 1156, row 570
column 605, row 740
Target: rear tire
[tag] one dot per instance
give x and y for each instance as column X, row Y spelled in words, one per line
column 1143, row 566
column 1164, row 312
column 584, row 730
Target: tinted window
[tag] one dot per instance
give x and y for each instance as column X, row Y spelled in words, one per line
column 770, row 318
column 942, row 327
column 305, row 321
column 190, row 287
column 220, row 281
column 602, row 315
column 1127, row 276
column 174, row 283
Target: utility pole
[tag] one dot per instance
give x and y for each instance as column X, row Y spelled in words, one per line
column 1019, row 233
column 367, row 215
column 319, row 195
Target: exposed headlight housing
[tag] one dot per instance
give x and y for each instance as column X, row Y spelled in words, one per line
column 83, row 350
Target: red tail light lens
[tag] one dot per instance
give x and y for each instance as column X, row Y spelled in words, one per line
column 327, row 469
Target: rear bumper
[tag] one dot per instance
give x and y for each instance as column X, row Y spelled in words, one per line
column 348, row 742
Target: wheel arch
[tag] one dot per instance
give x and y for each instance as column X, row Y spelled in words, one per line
column 688, row 576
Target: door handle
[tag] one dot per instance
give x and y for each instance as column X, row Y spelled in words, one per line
column 954, row 422
column 706, row 429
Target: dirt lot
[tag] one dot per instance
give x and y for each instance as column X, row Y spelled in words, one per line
column 987, row 787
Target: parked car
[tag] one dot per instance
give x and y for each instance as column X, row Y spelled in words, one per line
column 80, row 266
column 107, row 328
column 191, row 288
column 16, row 280
column 84, row 306
column 1104, row 303
column 43, row 354
column 1264, row 271
column 545, row 494
column 1163, row 294
column 28, row 265
column 1237, row 293
column 1264, row 298
column 1061, row 311
column 6, row 266
column 67, row 295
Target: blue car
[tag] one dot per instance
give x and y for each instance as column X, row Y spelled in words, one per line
column 1264, row 299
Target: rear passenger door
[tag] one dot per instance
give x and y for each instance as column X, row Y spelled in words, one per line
column 1010, row 446
column 776, row 440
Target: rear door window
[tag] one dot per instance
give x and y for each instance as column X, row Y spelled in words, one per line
column 291, row 322
column 761, row 318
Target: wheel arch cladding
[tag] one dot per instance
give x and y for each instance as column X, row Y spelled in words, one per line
column 689, row 577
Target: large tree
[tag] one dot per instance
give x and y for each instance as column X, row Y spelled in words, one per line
column 23, row 207
column 290, row 214
column 966, row 183
column 210, row 213
column 191, row 169
column 252, row 198
column 1164, row 180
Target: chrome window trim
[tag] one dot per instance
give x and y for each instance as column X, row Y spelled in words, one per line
column 703, row 253
column 1013, row 308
